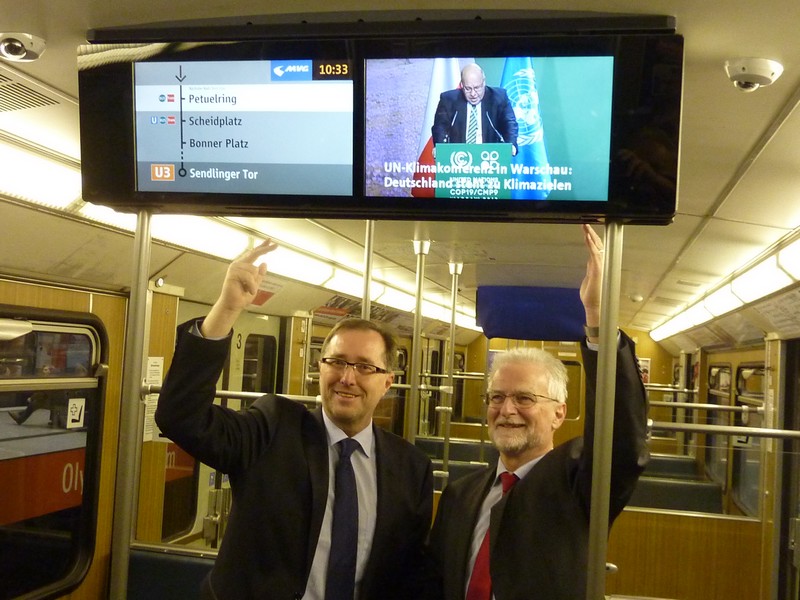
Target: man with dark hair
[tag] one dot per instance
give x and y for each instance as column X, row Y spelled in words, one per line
column 326, row 506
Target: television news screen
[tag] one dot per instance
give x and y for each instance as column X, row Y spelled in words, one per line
column 389, row 124
column 412, row 153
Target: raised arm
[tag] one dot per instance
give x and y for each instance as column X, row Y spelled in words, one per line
column 591, row 286
column 238, row 290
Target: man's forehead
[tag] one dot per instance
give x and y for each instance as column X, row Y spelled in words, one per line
column 519, row 375
column 362, row 340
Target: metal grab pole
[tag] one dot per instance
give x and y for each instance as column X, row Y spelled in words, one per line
column 369, row 242
column 421, row 249
column 604, row 413
column 130, row 440
column 447, row 407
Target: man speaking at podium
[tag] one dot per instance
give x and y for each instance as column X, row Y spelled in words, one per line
column 475, row 113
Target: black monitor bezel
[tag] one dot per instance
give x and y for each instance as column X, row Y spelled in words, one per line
column 107, row 106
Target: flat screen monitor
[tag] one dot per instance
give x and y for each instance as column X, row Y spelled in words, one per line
column 394, row 122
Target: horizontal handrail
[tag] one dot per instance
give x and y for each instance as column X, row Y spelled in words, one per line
column 42, row 384
column 726, row 430
column 660, row 387
column 720, row 407
column 155, row 389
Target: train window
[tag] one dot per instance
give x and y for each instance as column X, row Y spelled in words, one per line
column 750, row 382
column 746, row 476
column 716, row 452
column 51, row 390
column 260, row 361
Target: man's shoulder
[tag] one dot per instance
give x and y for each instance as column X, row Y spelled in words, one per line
column 275, row 407
column 495, row 93
column 453, row 95
column 394, row 444
column 466, row 484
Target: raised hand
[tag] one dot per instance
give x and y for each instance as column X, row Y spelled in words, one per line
column 592, row 283
column 238, row 290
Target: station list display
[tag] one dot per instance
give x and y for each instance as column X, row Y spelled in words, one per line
column 245, row 127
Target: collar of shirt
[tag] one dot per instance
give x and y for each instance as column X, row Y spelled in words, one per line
column 521, row 472
column 365, row 437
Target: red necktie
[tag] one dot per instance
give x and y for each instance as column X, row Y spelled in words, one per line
column 480, row 583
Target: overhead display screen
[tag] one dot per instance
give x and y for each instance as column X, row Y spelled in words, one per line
column 243, row 127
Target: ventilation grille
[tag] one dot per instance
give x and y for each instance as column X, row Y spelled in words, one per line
column 18, row 96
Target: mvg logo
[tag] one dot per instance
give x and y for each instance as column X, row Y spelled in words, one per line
column 291, row 70
column 162, row 172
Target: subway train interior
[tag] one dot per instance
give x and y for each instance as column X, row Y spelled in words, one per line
column 678, row 124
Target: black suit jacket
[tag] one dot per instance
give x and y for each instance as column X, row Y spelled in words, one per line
column 498, row 121
column 276, row 455
column 539, row 531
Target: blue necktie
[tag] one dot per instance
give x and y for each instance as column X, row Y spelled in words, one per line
column 341, row 578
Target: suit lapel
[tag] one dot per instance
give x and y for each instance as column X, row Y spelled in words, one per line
column 473, row 499
column 495, row 518
column 386, row 491
column 316, row 444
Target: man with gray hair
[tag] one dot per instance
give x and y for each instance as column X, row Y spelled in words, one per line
column 520, row 528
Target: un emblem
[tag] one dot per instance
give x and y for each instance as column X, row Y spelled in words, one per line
column 525, row 101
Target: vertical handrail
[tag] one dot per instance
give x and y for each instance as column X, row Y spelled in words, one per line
column 130, row 440
column 421, row 249
column 447, row 407
column 369, row 242
column 604, row 413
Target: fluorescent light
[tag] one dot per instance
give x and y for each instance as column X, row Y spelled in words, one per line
column 433, row 310
column 396, row 299
column 761, row 280
column 104, row 214
column 722, row 301
column 200, row 233
column 35, row 178
column 789, row 259
column 294, row 265
column 467, row 321
column 668, row 329
column 347, row 282
column 696, row 314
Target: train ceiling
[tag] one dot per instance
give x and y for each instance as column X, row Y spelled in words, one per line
column 739, row 164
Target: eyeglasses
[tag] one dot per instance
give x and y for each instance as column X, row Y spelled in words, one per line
column 475, row 89
column 520, row 399
column 339, row 364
